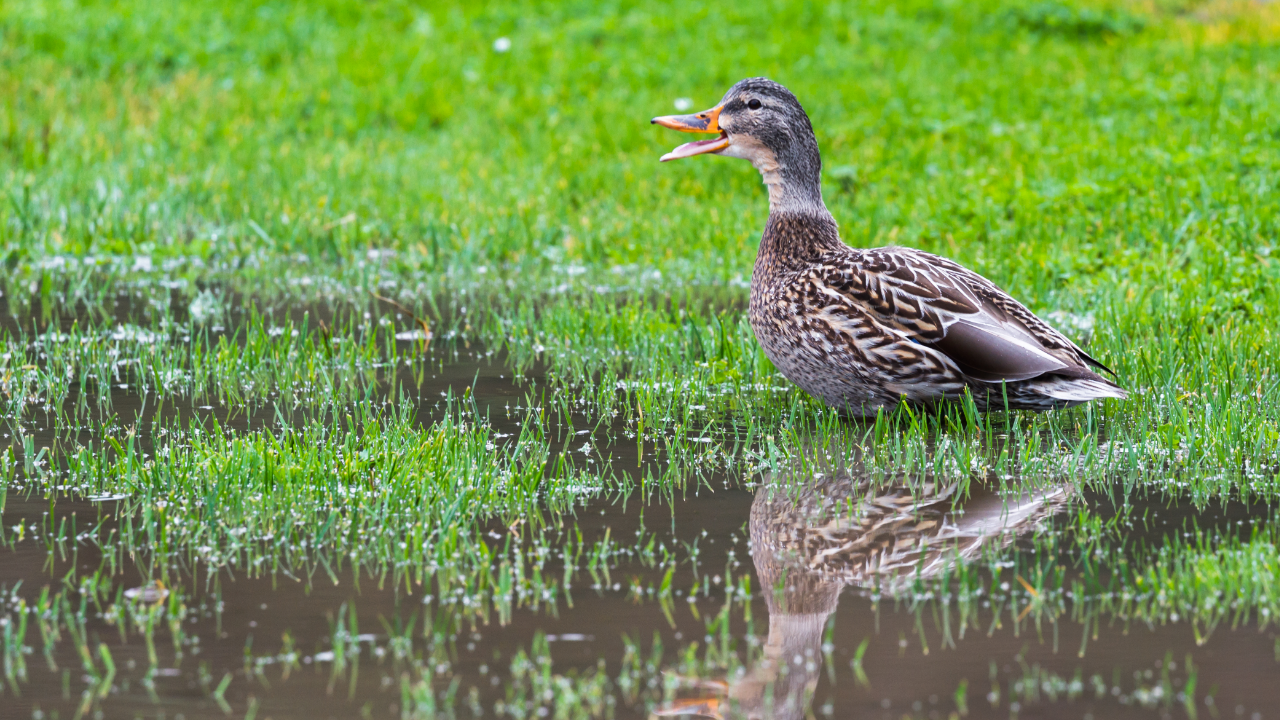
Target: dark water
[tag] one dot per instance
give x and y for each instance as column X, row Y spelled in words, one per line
column 812, row 596
column 813, row 605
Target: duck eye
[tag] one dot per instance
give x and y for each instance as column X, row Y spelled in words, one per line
column 753, row 104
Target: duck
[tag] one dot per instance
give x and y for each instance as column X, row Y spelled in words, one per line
column 865, row 330
column 824, row 522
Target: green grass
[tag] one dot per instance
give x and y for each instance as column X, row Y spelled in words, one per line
column 242, row 206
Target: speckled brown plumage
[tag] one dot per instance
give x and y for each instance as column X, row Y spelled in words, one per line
column 823, row 523
column 847, row 527
column 866, row 329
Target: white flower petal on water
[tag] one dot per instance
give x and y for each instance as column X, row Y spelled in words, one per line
column 106, row 497
column 150, row 593
column 570, row 637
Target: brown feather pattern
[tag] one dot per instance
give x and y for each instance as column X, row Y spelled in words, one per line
column 866, row 329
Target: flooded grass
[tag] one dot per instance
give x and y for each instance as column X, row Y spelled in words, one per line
column 830, row 592
column 276, row 515
column 328, row 513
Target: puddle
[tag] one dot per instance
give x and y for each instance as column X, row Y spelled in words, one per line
column 805, row 588
column 475, row 383
column 820, row 592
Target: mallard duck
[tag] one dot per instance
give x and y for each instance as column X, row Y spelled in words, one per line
column 819, row 526
column 845, row 526
column 865, row 329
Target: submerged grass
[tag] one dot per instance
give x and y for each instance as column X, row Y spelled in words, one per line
column 255, row 361
column 380, row 493
column 1041, row 589
column 665, row 372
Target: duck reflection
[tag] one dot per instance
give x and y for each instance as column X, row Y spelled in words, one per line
column 818, row 526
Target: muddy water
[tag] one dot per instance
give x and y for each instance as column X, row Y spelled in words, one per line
column 828, row 629
column 482, row 378
column 809, row 593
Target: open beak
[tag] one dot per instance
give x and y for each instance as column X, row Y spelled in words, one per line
column 707, row 121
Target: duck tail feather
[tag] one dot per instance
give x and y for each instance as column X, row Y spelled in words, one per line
column 1075, row 389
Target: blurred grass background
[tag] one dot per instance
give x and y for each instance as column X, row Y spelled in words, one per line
column 1053, row 146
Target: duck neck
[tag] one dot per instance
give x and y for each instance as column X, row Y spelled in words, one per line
column 795, row 191
column 795, row 236
column 800, row 226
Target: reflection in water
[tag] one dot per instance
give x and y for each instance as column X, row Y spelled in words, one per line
column 819, row 526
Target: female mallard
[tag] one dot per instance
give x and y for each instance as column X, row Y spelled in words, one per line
column 866, row 329
column 823, row 522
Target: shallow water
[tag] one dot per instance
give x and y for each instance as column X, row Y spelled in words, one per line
column 916, row 661
column 814, row 589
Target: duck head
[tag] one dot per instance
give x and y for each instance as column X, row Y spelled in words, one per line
column 761, row 121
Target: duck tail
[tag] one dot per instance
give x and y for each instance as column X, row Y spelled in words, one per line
column 1077, row 389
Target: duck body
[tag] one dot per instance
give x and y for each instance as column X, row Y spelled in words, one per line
column 864, row 330
column 867, row 329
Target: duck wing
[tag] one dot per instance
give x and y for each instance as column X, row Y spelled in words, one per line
column 938, row 303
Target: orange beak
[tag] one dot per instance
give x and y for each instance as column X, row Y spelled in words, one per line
column 707, row 121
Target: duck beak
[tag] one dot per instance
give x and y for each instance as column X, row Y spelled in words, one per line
column 707, row 121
